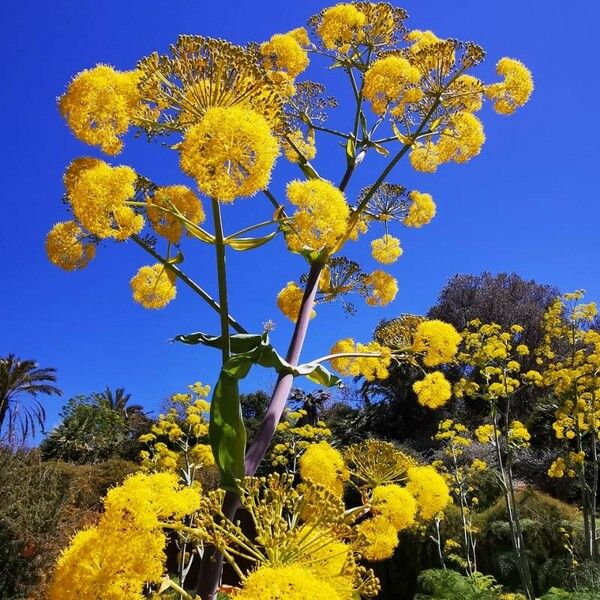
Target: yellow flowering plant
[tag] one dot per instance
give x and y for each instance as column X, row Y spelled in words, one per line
column 460, row 476
column 568, row 362
column 227, row 111
column 491, row 362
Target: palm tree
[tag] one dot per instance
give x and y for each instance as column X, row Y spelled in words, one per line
column 118, row 401
column 22, row 380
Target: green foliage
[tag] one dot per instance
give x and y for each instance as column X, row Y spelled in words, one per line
column 92, row 431
column 437, row 583
column 559, row 594
column 542, row 518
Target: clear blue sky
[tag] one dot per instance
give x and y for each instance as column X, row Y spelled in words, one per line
column 527, row 204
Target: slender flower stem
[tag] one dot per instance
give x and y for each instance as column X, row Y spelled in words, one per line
column 189, row 282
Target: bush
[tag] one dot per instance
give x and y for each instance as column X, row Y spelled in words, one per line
column 559, row 594
column 43, row 504
column 437, row 583
column 542, row 518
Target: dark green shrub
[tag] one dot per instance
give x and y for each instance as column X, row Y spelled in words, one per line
column 437, row 583
column 559, row 594
column 542, row 518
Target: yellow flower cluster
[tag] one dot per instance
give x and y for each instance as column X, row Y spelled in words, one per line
column 321, row 218
column 516, row 88
column 125, row 551
column 67, row 247
column 166, row 203
column 370, row 367
column 433, row 391
column 289, row 301
column 99, row 106
column 177, row 442
column 518, row 435
column 485, row 434
column 341, row 27
column 230, row 152
column 390, row 81
column 386, row 249
column 429, row 489
column 460, row 141
column 383, row 288
column 292, row 582
column 98, row 195
column 286, row 52
column 394, row 504
column 437, row 341
column 294, row 438
column 421, row 211
column 153, row 286
column 324, row 465
column 455, row 437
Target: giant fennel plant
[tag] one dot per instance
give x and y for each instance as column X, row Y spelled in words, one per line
column 230, row 112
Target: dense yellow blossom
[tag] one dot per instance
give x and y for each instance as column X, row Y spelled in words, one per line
column 99, row 106
column 305, row 146
column 292, row 582
column 324, row 465
column 396, row 504
column 462, row 139
column 386, row 249
column 67, row 248
column 464, row 93
column 386, row 82
column 516, row 88
column 429, row 489
column 76, row 168
column 383, row 288
column 321, row 217
column 433, row 391
column 369, row 367
column 381, row 538
column 153, row 286
column 285, row 52
column 421, row 211
column 177, row 198
column 341, row 26
column 289, row 301
column 518, row 434
column 230, row 153
column 125, row 551
column 459, row 141
column 485, row 433
column 431, row 53
column 437, row 340
column 98, row 194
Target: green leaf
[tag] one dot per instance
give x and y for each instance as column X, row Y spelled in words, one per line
column 239, row 343
column 249, row 243
column 381, row 150
column 350, row 150
column 227, row 432
column 176, row 260
column 403, row 138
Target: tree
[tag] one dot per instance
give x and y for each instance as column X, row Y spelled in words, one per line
column 22, row 381
column 505, row 299
column 118, row 401
column 91, row 431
